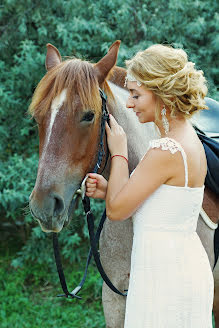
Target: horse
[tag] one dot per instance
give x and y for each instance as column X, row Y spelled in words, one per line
column 67, row 107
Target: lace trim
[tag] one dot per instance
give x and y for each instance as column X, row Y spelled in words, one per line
column 173, row 146
column 165, row 144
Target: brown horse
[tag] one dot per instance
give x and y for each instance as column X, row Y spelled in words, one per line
column 67, row 107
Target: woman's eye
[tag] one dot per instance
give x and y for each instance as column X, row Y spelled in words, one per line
column 88, row 117
column 135, row 97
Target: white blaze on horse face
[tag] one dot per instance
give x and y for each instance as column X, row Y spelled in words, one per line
column 52, row 169
column 56, row 105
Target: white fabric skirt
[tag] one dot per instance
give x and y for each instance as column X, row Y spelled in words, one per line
column 171, row 282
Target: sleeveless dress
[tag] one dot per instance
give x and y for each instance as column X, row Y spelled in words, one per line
column 171, row 282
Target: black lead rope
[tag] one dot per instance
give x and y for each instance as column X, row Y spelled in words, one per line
column 61, row 274
column 90, row 223
column 94, row 238
column 60, row 270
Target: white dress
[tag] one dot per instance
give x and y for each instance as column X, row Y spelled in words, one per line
column 171, row 282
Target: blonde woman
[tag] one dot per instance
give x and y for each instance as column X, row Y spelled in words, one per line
column 171, row 283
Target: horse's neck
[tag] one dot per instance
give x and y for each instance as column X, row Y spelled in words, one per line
column 138, row 135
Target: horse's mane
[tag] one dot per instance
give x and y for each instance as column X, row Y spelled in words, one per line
column 78, row 78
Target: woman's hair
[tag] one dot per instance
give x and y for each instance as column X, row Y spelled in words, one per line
column 173, row 79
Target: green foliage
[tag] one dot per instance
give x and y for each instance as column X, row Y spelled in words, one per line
column 84, row 29
column 17, row 177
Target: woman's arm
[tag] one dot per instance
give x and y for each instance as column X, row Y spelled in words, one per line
column 125, row 195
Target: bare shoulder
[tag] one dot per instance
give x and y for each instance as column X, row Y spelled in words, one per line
column 163, row 151
column 156, row 167
column 195, row 158
column 161, row 161
column 193, row 148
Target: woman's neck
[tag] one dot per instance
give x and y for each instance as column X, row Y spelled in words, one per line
column 175, row 124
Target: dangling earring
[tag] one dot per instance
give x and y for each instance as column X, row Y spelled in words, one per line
column 165, row 120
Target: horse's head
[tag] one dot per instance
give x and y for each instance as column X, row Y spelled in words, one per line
column 67, row 108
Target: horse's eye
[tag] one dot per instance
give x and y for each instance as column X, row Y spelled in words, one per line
column 88, row 117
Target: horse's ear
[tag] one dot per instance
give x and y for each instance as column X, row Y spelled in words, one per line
column 53, row 57
column 104, row 66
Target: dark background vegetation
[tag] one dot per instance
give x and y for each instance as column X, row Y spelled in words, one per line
column 83, row 29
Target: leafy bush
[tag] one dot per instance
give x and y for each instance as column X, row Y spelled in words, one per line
column 17, row 176
column 84, row 29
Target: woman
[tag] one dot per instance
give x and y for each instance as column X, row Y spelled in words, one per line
column 171, row 283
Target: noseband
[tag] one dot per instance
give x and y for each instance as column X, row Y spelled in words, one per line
column 94, row 237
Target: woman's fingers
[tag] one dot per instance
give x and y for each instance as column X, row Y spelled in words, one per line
column 112, row 123
column 89, row 194
column 96, row 186
column 90, row 188
column 112, row 120
column 91, row 183
column 107, row 128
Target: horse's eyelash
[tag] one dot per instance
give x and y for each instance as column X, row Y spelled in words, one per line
column 88, row 116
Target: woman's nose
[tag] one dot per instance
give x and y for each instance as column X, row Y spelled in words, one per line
column 129, row 103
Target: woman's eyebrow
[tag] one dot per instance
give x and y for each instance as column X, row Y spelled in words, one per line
column 132, row 90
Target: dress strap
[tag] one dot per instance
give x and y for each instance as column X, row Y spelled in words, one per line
column 173, row 146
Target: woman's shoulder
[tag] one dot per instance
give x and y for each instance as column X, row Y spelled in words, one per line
column 171, row 150
column 161, row 154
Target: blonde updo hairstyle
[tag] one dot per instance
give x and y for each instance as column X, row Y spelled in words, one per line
column 172, row 78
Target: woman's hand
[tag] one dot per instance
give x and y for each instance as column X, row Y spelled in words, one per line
column 116, row 138
column 96, row 186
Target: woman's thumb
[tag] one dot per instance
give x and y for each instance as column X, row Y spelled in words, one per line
column 93, row 175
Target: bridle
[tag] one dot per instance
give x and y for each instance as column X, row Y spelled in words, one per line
column 94, row 237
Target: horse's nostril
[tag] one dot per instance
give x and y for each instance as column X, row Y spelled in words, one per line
column 59, row 205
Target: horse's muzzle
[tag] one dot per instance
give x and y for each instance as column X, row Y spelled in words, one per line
column 50, row 211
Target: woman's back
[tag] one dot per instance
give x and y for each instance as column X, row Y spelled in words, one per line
column 195, row 155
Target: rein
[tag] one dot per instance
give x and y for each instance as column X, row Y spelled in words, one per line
column 94, row 237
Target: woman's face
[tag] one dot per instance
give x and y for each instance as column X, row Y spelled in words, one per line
column 142, row 101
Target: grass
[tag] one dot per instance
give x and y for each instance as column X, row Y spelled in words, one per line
column 28, row 299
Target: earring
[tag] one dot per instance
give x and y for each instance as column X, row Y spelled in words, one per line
column 165, row 120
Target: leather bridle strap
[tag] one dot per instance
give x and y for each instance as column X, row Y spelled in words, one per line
column 93, row 243
column 104, row 119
